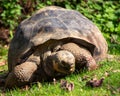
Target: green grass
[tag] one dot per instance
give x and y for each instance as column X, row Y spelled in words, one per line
column 3, row 57
column 110, row 86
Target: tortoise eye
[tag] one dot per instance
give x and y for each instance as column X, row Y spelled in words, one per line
column 57, row 48
column 48, row 29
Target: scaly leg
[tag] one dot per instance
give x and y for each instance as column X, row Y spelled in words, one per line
column 23, row 73
column 82, row 55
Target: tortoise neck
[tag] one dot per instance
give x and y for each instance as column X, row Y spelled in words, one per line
column 42, row 76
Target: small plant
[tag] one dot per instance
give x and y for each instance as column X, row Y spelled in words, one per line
column 10, row 13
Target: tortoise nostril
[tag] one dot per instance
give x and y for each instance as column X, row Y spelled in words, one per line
column 67, row 65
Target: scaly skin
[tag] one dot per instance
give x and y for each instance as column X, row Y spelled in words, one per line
column 82, row 55
column 23, row 73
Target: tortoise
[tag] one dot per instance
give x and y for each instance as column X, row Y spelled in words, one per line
column 52, row 43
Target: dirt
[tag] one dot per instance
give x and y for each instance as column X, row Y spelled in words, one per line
column 4, row 35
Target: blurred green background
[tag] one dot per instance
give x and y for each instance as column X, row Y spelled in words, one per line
column 104, row 13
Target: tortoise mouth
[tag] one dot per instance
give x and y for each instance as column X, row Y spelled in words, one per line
column 63, row 67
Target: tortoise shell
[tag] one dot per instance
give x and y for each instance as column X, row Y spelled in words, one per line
column 56, row 23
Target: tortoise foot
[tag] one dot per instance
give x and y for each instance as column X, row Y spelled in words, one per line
column 22, row 74
column 91, row 63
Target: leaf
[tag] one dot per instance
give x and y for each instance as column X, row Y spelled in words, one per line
column 96, row 6
column 66, row 86
column 68, row 6
column 118, row 28
column 95, row 82
column 110, row 25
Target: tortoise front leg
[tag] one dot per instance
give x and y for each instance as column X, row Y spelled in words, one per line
column 83, row 57
column 23, row 73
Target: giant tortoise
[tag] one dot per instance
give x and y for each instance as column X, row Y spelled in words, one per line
column 53, row 43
